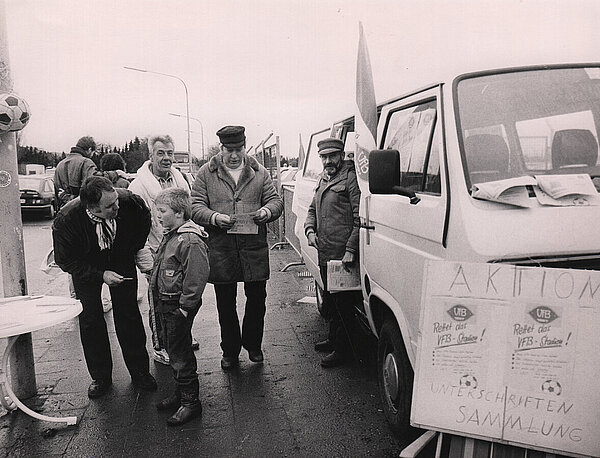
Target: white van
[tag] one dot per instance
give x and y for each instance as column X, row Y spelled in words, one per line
column 435, row 144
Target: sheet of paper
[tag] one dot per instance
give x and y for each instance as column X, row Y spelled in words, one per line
column 244, row 224
column 341, row 279
column 512, row 191
column 557, row 186
column 572, row 200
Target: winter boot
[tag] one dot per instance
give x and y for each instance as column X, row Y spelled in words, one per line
column 171, row 402
column 190, row 407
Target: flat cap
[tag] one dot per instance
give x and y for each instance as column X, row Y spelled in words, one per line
column 330, row 145
column 232, row 136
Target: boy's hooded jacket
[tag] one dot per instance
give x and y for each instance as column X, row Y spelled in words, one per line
column 180, row 269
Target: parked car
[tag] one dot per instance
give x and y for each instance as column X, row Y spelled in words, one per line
column 37, row 194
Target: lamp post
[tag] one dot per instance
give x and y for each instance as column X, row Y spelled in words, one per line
column 201, row 128
column 187, row 100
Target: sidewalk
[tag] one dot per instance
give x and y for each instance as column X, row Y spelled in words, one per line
column 288, row 406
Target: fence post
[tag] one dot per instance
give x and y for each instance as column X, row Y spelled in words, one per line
column 14, row 280
column 280, row 190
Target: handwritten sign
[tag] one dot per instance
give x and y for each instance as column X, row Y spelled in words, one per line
column 510, row 354
column 244, row 224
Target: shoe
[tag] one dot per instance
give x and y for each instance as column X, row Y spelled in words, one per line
column 161, row 356
column 333, row 359
column 170, row 403
column 99, row 388
column 324, row 345
column 228, row 362
column 184, row 414
column 144, row 382
column 256, row 356
column 195, row 344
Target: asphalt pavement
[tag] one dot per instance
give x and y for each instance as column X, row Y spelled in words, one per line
column 287, row 406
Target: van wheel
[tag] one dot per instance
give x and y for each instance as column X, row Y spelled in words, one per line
column 319, row 295
column 395, row 375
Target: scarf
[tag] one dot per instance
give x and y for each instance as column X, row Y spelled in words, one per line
column 106, row 230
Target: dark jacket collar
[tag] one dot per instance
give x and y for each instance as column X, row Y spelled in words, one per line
column 77, row 150
column 341, row 175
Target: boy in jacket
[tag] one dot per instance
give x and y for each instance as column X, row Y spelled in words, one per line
column 178, row 279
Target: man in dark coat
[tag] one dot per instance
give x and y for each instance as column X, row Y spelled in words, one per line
column 230, row 188
column 72, row 171
column 95, row 239
column 331, row 226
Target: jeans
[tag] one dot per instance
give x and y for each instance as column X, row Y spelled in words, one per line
column 251, row 334
column 177, row 335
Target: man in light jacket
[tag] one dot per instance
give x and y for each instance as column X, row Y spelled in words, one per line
column 152, row 177
column 233, row 186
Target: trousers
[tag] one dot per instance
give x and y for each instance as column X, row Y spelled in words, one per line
column 341, row 322
column 251, row 334
column 128, row 325
column 177, row 335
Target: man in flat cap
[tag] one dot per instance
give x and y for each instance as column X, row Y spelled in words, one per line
column 233, row 197
column 331, row 227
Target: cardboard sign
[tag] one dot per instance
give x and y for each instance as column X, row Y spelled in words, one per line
column 510, row 354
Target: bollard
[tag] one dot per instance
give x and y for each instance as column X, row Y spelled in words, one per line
column 11, row 233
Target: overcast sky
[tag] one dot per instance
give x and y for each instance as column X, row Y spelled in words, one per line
column 286, row 67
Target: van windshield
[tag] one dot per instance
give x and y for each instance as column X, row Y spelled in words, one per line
column 532, row 122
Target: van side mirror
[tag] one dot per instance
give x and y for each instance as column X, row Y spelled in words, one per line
column 384, row 174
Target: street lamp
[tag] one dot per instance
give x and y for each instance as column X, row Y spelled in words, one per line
column 201, row 128
column 187, row 101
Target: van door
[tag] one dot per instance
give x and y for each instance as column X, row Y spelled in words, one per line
column 404, row 236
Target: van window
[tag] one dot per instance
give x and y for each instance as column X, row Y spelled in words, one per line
column 314, row 167
column 536, row 136
column 531, row 122
column 410, row 131
column 433, row 183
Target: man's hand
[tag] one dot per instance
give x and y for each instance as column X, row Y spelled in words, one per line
column 224, row 221
column 261, row 216
column 348, row 260
column 112, row 278
column 313, row 240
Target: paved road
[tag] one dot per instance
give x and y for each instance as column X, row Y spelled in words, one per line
column 288, row 406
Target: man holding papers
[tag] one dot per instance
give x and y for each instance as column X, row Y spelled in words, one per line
column 233, row 197
column 331, row 227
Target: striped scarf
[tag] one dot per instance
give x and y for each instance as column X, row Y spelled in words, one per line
column 106, row 229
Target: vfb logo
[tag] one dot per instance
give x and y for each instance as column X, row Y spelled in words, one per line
column 543, row 314
column 460, row 313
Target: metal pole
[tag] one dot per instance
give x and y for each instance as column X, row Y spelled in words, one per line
column 187, row 99
column 14, row 279
column 201, row 128
column 280, row 186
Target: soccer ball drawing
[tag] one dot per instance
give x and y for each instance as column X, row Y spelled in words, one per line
column 14, row 113
column 469, row 381
column 552, row 387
